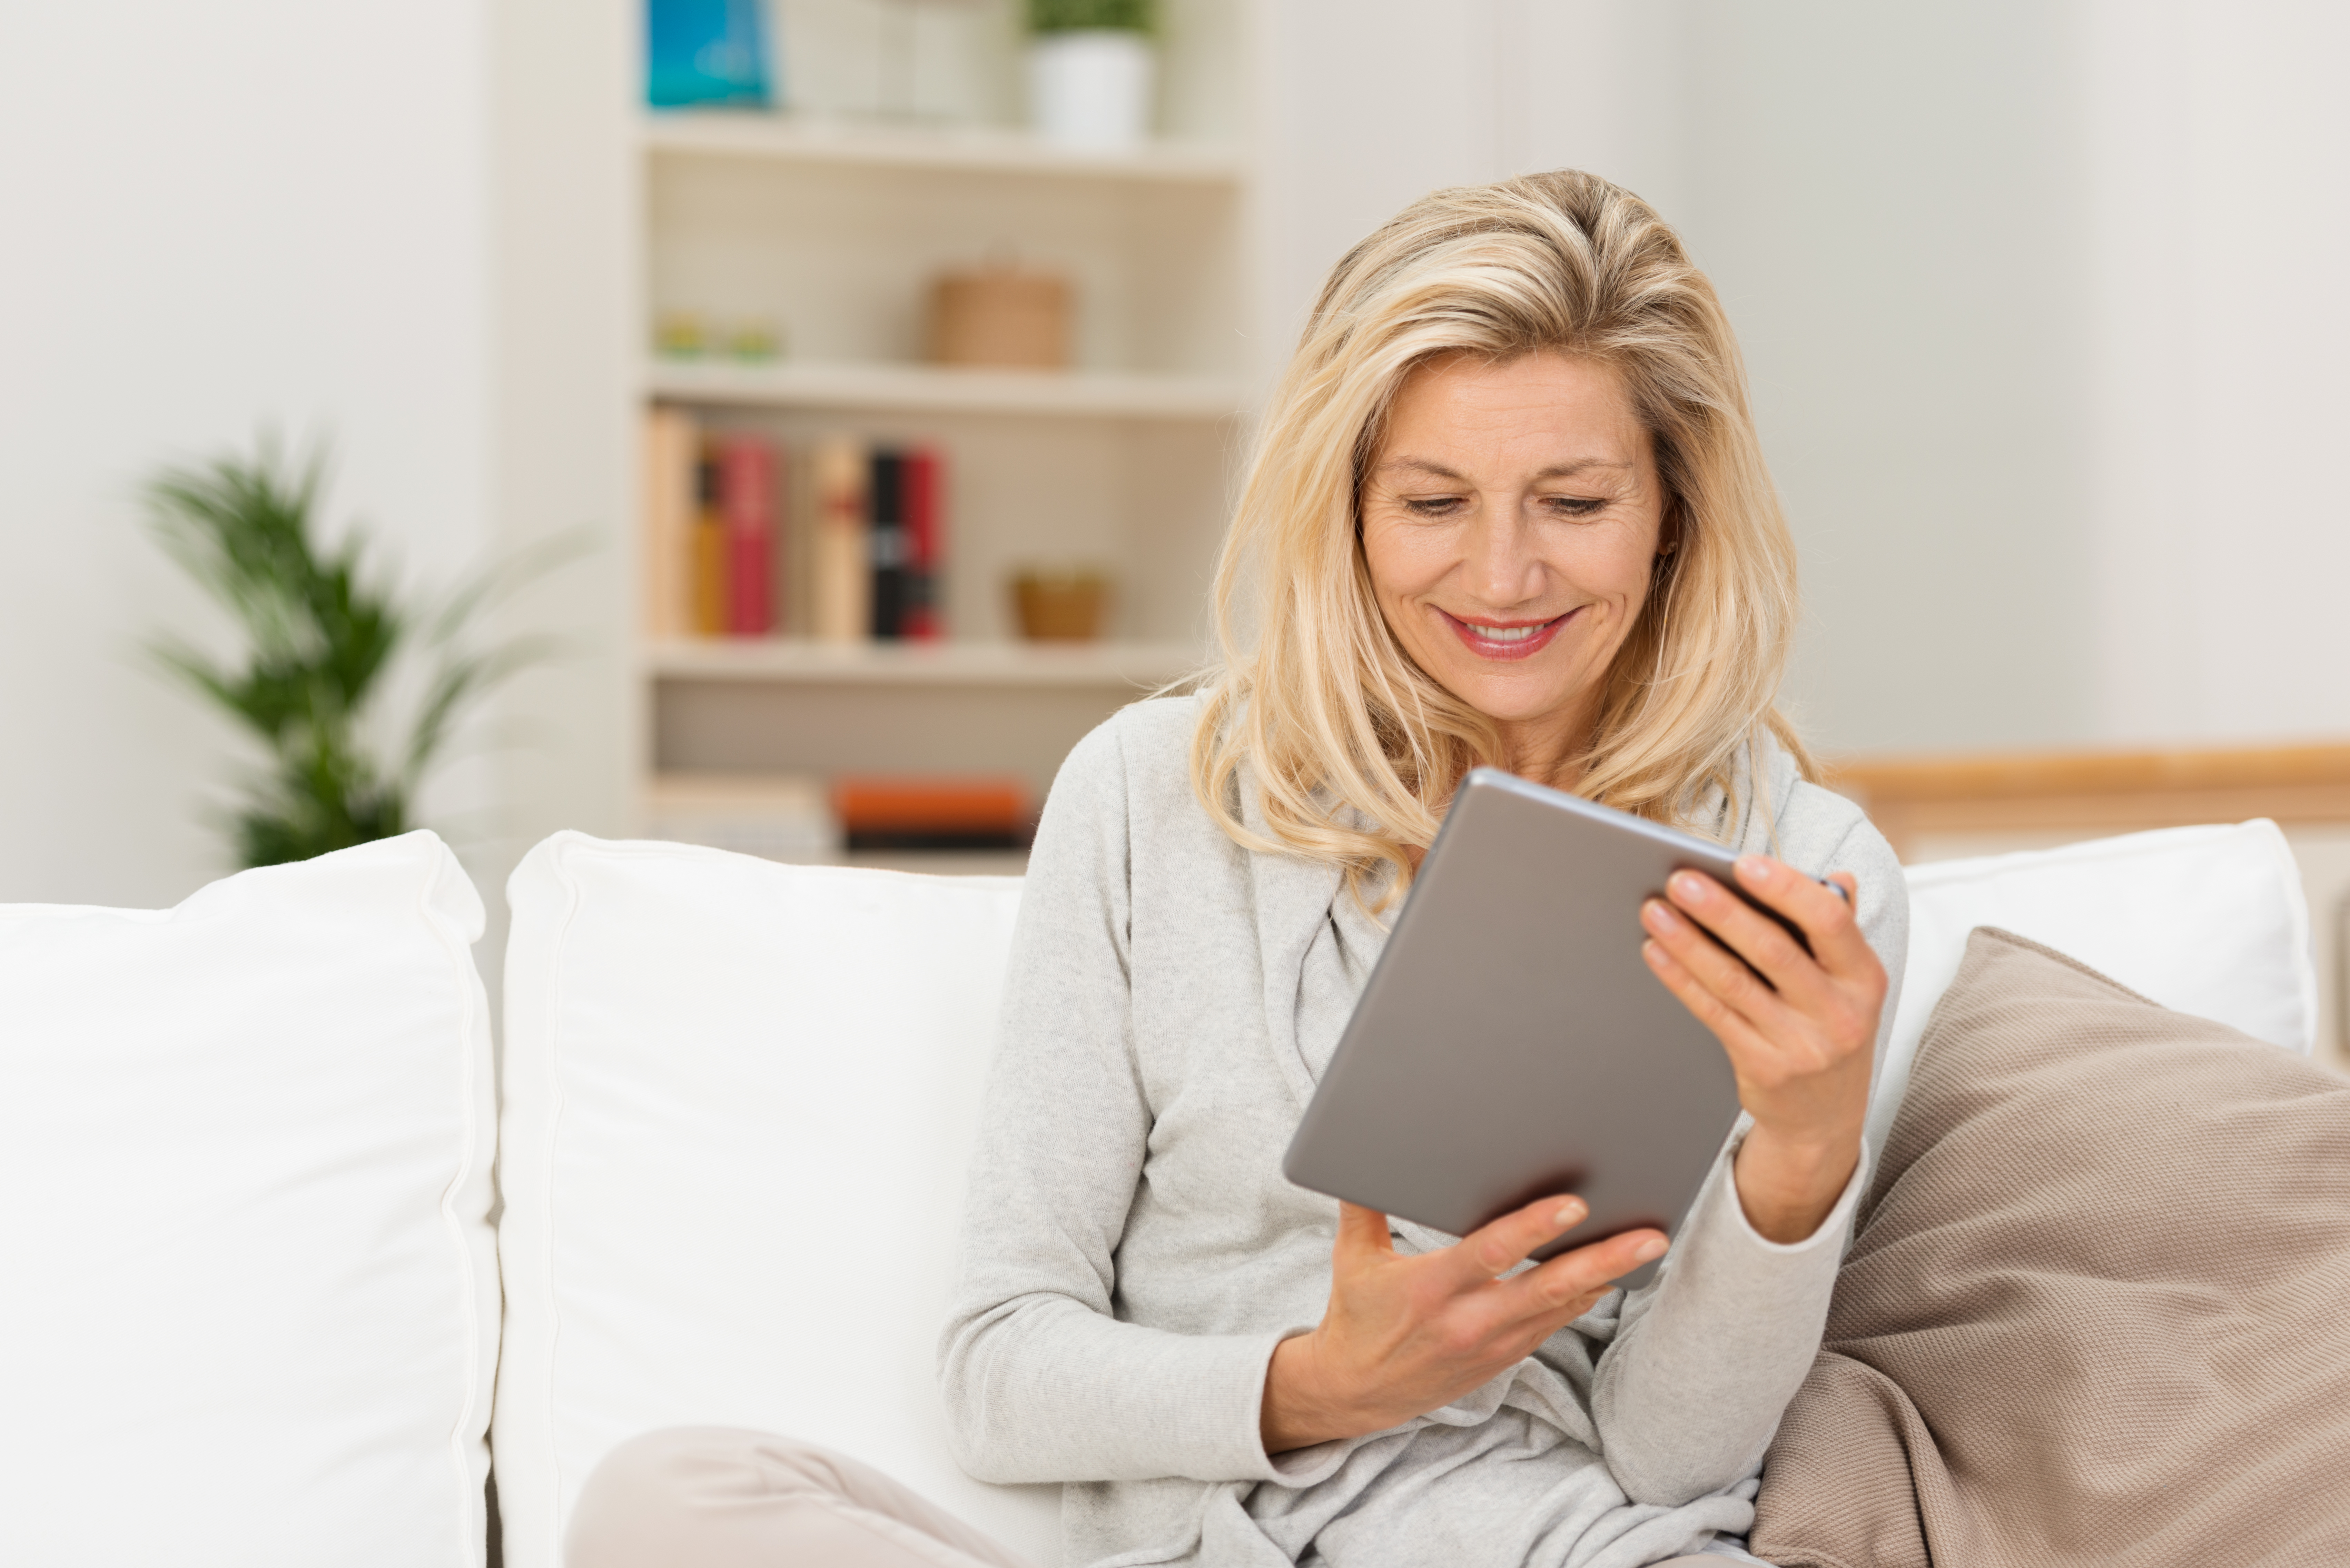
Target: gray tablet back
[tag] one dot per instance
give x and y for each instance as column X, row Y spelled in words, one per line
column 1512, row 1044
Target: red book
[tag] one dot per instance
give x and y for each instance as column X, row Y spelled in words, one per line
column 924, row 617
column 746, row 501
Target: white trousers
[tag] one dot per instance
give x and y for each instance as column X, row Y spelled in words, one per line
column 718, row 1497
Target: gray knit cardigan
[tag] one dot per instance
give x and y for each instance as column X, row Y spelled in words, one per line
column 1132, row 1253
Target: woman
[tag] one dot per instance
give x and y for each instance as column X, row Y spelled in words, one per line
column 1508, row 508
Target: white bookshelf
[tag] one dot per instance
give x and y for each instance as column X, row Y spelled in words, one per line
column 1113, row 667
column 832, row 227
column 930, row 388
column 779, row 138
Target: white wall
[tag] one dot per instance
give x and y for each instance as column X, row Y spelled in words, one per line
column 1888, row 198
column 219, row 216
column 1345, row 134
column 2044, row 312
column 2218, row 134
column 566, row 348
column 1364, row 105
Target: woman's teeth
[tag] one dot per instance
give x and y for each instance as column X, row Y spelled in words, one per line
column 1505, row 633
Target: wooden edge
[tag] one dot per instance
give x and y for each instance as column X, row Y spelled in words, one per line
column 2095, row 792
column 2057, row 774
column 1904, row 822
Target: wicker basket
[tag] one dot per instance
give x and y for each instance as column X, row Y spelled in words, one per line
column 1001, row 316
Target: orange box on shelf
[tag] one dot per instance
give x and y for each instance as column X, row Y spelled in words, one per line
column 932, row 813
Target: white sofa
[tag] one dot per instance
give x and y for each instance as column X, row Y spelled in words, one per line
column 248, row 1310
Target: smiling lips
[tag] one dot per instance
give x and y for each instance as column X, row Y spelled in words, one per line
column 1506, row 639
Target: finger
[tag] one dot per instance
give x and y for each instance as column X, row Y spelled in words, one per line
column 1737, row 1032
column 1720, row 972
column 1766, row 1064
column 1741, row 928
column 1830, row 922
column 1573, row 1280
column 1500, row 1246
column 1362, row 1234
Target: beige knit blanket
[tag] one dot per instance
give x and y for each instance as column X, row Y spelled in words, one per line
column 2098, row 1307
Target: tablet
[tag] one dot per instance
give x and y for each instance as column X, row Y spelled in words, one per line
column 1512, row 1042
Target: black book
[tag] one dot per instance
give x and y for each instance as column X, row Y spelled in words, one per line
column 891, row 574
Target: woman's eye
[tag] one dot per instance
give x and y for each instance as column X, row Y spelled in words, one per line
column 1432, row 505
column 1575, row 505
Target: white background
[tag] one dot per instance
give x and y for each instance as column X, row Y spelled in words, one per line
column 217, row 218
column 2042, row 304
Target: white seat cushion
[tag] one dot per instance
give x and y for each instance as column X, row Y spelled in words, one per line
column 248, row 1305
column 2207, row 920
column 739, row 1097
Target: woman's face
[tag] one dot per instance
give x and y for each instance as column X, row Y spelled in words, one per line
column 1511, row 519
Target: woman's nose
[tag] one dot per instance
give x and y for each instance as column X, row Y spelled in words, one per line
column 1502, row 568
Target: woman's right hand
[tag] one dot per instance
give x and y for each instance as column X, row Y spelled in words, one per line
column 1405, row 1335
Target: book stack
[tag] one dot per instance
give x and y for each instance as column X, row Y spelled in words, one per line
column 802, row 820
column 774, row 817
column 729, row 554
column 937, row 812
column 880, row 529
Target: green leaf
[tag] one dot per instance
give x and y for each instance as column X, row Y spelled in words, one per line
column 322, row 631
column 1076, row 15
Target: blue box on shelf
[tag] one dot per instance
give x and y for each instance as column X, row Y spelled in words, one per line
column 710, row 54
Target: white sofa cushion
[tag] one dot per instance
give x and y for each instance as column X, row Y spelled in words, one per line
column 739, row 1097
column 2207, row 920
column 248, row 1305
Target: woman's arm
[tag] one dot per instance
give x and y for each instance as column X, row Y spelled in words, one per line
column 1042, row 1382
column 1688, row 1395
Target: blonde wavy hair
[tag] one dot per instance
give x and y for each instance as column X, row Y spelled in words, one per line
column 1354, row 750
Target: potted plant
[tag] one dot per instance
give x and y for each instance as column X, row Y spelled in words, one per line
column 322, row 632
column 1090, row 69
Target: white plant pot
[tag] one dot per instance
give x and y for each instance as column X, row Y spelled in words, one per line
column 1091, row 90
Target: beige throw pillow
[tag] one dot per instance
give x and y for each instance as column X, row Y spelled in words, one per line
column 2098, row 1308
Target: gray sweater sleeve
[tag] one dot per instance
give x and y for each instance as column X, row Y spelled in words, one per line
column 1704, row 1363
column 1042, row 1381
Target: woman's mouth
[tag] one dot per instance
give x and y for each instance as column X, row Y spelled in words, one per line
column 1505, row 639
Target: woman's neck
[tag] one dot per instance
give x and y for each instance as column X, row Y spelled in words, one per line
column 1548, row 753
column 1551, row 753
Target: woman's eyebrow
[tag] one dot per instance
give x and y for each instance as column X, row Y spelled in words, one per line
column 1423, row 465
column 1555, row 471
column 1580, row 465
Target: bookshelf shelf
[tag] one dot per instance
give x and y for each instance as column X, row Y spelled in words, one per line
column 1083, row 394
column 1135, row 666
column 960, row 150
column 830, row 231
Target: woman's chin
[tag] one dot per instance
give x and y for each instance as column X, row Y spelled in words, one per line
column 1511, row 692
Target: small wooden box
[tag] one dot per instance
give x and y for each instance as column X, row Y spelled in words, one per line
column 1002, row 317
column 1060, row 606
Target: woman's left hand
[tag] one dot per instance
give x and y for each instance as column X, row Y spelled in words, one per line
column 1802, row 1045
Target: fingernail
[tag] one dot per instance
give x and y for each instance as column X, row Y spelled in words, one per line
column 1570, row 1212
column 1687, row 887
column 1660, row 915
column 1652, row 952
column 1650, row 1250
column 1754, row 868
